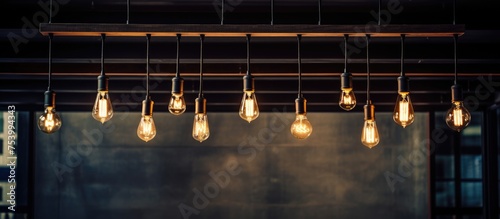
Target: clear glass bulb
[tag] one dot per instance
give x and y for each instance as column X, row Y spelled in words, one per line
column 301, row 127
column 347, row 99
column 249, row 110
column 49, row 122
column 177, row 104
column 146, row 129
column 201, row 131
column 369, row 136
column 458, row 117
column 103, row 110
column 403, row 111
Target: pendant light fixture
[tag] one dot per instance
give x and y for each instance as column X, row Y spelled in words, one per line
column 103, row 109
column 301, row 127
column 147, row 129
column 347, row 98
column 369, row 135
column 457, row 117
column 201, row 130
column 49, row 122
column 249, row 109
column 177, row 104
column 403, row 111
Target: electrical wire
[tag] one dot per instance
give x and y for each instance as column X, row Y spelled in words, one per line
column 51, row 36
column 202, row 39
column 368, row 101
column 403, row 36
column 248, row 53
column 299, row 39
column 148, row 37
column 346, row 38
column 103, row 38
column 455, row 39
column 177, row 68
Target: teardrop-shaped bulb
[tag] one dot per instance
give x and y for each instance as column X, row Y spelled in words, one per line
column 458, row 117
column 177, row 105
column 103, row 109
column 369, row 136
column 347, row 99
column 249, row 109
column 403, row 111
column 201, row 130
column 49, row 122
column 146, row 129
column 301, row 127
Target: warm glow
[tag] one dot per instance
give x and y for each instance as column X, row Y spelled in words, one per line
column 301, row 127
column 347, row 99
column 146, row 129
column 403, row 111
column 458, row 117
column 201, row 131
column 103, row 110
column 49, row 122
column 369, row 136
column 249, row 110
column 177, row 105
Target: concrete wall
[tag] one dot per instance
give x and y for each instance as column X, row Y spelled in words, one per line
column 87, row 170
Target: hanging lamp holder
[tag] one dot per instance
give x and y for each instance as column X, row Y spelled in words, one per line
column 200, row 105
column 403, row 84
column 300, row 105
column 147, row 107
column 50, row 99
column 346, row 80
column 177, row 86
column 102, row 83
column 456, row 93
column 248, row 83
column 369, row 109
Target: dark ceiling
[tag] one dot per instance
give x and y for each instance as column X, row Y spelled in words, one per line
column 429, row 61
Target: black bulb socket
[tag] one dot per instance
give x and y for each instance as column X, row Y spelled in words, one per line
column 50, row 99
column 177, row 86
column 200, row 105
column 369, row 111
column 403, row 84
column 456, row 93
column 346, row 80
column 248, row 83
column 300, row 105
column 147, row 107
column 102, row 82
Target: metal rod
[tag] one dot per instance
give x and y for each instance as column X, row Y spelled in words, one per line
column 202, row 39
column 128, row 11
column 249, row 36
column 319, row 12
column 403, row 36
column 368, row 68
column 455, row 39
column 272, row 12
column 51, row 36
column 148, row 37
column 103, row 38
column 177, row 61
column 299, row 39
column 346, row 38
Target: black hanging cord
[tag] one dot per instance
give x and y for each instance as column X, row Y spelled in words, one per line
column 455, row 38
column 202, row 39
column 403, row 36
column 50, row 12
column 148, row 37
column 222, row 13
column 368, row 69
column 51, row 36
column 319, row 12
column 299, row 39
column 454, row 11
column 248, row 53
column 272, row 12
column 379, row 12
column 346, row 38
column 177, row 70
column 103, row 38
column 128, row 11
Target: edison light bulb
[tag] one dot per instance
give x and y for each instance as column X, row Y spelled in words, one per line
column 369, row 136
column 249, row 110
column 403, row 111
column 201, row 131
column 146, row 129
column 177, row 104
column 103, row 110
column 49, row 122
column 457, row 117
column 301, row 127
column 347, row 99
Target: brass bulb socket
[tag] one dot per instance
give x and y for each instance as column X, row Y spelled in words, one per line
column 200, row 105
column 300, row 105
column 369, row 111
column 147, row 107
